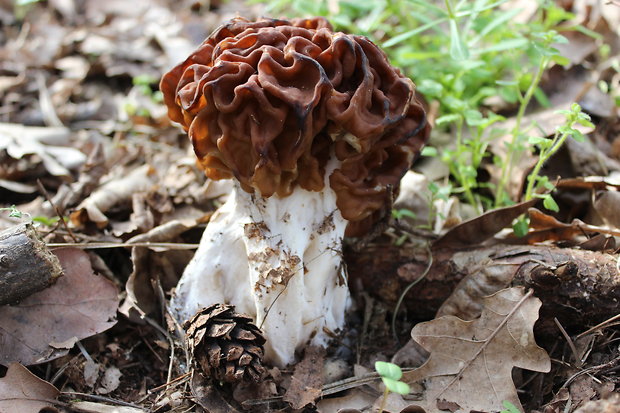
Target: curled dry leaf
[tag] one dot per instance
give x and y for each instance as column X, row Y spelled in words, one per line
column 481, row 228
column 606, row 205
column 47, row 143
column 547, row 228
column 45, row 325
column 471, row 361
column 92, row 407
column 149, row 266
column 21, row 391
column 349, row 403
column 90, row 174
column 93, row 208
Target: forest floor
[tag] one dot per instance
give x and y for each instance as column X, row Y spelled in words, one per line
column 84, row 135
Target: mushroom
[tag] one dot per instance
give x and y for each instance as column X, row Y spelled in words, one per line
column 316, row 128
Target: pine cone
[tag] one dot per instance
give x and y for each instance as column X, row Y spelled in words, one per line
column 224, row 345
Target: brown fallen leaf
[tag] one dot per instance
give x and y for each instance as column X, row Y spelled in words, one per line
column 50, row 144
column 609, row 405
column 209, row 396
column 91, row 407
column 471, row 361
column 486, row 275
column 547, row 228
column 79, row 305
column 606, row 205
column 588, row 182
column 307, row 379
column 483, row 227
column 148, row 266
column 113, row 192
column 23, row 392
column 352, row 401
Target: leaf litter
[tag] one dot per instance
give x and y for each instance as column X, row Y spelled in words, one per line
column 78, row 89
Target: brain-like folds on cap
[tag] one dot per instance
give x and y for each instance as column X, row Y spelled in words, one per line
column 268, row 103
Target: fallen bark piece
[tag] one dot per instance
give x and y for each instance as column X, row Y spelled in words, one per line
column 26, row 264
column 578, row 287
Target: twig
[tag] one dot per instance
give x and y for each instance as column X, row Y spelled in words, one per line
column 573, row 349
column 97, row 398
column 600, row 325
column 174, row 381
column 56, row 209
column 100, row 245
column 62, row 369
column 409, row 287
column 156, row 284
column 601, row 367
column 84, row 352
column 170, row 341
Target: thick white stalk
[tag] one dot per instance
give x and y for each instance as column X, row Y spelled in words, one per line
column 278, row 260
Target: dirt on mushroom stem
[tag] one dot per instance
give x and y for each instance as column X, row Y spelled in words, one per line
column 276, row 259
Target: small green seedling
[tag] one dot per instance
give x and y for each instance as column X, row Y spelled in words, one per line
column 509, row 407
column 13, row 211
column 390, row 375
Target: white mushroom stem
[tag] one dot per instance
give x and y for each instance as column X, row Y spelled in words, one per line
column 278, row 260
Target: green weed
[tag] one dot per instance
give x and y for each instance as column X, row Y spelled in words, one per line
column 461, row 55
column 390, row 375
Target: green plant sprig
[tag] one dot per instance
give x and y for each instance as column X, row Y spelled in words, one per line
column 548, row 147
column 548, row 54
column 390, row 375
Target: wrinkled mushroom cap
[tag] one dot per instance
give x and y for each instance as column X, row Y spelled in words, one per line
column 268, row 103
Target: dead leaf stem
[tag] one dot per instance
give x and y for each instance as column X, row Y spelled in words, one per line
column 573, row 349
column 599, row 326
column 409, row 287
column 100, row 245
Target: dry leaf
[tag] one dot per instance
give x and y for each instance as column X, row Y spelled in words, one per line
column 148, row 266
column 471, row 361
column 485, row 276
column 351, row 401
column 91, row 407
column 414, row 195
column 307, row 379
column 113, row 192
column 110, row 380
column 606, row 205
column 79, row 305
column 47, row 143
column 609, row 405
column 481, row 228
column 209, row 396
column 23, row 392
column 548, row 228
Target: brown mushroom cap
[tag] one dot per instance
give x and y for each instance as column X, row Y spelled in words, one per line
column 268, row 102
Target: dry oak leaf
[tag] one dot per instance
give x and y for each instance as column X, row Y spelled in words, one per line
column 21, row 391
column 471, row 361
column 47, row 324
